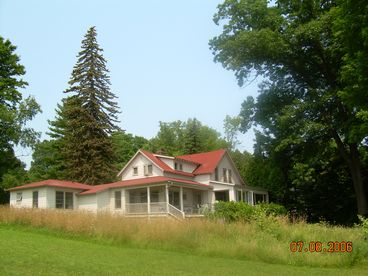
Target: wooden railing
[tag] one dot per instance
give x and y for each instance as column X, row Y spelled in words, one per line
column 175, row 212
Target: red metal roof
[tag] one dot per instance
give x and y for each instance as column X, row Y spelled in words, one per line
column 163, row 165
column 54, row 183
column 140, row 181
column 208, row 160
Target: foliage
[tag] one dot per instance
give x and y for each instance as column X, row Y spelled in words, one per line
column 179, row 138
column 311, row 116
column 364, row 223
column 48, row 162
column 240, row 211
column 15, row 112
column 86, row 120
column 125, row 146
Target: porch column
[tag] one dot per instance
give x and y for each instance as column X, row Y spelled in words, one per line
column 251, row 201
column 167, row 197
column 148, row 200
column 123, row 200
column 181, row 199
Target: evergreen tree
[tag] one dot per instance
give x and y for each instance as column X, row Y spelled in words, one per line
column 87, row 118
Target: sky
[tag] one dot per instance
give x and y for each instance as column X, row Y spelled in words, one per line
column 157, row 52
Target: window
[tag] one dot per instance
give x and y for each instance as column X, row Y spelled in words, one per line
column 216, row 174
column 117, row 199
column 59, row 200
column 148, row 169
column 135, row 171
column 19, row 197
column 35, row 199
column 64, row 200
column 224, row 175
column 238, row 195
column 176, row 166
column 154, row 196
column 180, row 167
column 229, row 176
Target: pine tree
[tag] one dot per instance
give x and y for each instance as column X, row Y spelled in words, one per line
column 87, row 118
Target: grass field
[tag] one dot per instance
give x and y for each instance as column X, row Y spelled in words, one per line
column 38, row 241
column 29, row 251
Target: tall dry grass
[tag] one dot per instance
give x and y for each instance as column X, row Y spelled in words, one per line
column 267, row 239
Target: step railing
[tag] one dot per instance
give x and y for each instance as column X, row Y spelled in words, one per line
column 175, row 212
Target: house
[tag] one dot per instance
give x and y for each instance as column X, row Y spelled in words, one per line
column 151, row 184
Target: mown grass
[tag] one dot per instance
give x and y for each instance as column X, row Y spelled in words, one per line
column 265, row 240
column 31, row 251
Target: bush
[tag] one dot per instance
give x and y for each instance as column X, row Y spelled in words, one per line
column 241, row 211
column 364, row 224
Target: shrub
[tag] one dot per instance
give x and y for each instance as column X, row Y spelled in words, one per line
column 243, row 212
column 364, row 224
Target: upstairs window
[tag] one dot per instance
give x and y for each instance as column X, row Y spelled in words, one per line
column 176, row 166
column 224, row 175
column 135, row 171
column 180, row 167
column 216, row 174
column 148, row 169
column 229, row 176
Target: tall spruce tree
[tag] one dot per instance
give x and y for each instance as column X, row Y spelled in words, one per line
column 88, row 117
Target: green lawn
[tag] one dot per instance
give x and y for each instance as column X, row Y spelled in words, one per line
column 25, row 251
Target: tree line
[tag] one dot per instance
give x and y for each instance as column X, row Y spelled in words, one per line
column 311, row 113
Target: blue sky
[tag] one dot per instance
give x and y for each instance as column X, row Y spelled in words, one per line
column 160, row 64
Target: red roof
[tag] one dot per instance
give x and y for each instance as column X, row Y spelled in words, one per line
column 163, row 165
column 208, row 160
column 140, row 181
column 54, row 183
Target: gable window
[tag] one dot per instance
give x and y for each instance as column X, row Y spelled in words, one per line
column 180, row 167
column 35, row 199
column 64, row 200
column 224, row 175
column 19, row 197
column 229, row 176
column 176, row 166
column 148, row 169
column 117, row 199
column 216, row 174
column 135, row 171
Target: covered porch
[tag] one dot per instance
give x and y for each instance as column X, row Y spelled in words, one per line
column 175, row 200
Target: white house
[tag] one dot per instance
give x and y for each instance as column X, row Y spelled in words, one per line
column 151, row 184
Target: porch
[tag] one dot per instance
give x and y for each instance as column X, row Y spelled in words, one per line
column 166, row 200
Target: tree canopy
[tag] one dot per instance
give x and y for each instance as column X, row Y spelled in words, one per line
column 86, row 119
column 308, row 101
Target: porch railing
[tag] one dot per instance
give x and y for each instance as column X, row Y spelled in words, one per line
column 164, row 208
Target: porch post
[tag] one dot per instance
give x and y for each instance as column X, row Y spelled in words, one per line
column 251, row 198
column 148, row 200
column 167, row 197
column 123, row 201
column 181, row 199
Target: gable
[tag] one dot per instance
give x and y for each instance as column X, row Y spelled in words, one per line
column 138, row 167
column 227, row 163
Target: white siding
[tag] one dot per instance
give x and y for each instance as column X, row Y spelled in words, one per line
column 227, row 164
column 27, row 198
column 87, row 202
column 203, row 178
column 103, row 201
column 139, row 161
column 168, row 161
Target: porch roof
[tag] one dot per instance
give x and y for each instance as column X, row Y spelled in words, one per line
column 142, row 181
